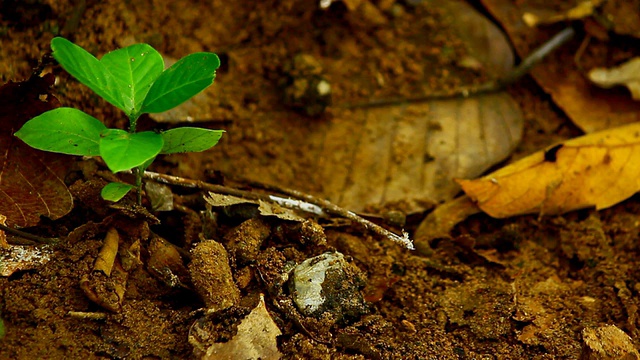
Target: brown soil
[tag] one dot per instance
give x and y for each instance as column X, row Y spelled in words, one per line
column 516, row 288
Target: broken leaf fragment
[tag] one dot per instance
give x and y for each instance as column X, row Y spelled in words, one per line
column 543, row 16
column 596, row 170
column 627, row 74
column 255, row 339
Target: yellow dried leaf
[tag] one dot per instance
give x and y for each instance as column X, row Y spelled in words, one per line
column 596, row 170
column 581, row 10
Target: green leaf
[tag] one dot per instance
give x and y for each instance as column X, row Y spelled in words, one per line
column 63, row 130
column 189, row 139
column 115, row 191
column 134, row 68
column 187, row 77
column 122, row 150
column 88, row 70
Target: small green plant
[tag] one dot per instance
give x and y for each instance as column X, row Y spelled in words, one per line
column 134, row 80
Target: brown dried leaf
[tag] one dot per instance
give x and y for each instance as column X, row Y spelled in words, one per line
column 409, row 155
column 31, row 181
column 607, row 342
column 256, row 338
column 439, row 223
column 597, row 170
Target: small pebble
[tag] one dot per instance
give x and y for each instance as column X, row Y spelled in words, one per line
column 328, row 283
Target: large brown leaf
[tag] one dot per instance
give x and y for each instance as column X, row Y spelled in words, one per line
column 31, row 182
column 411, row 154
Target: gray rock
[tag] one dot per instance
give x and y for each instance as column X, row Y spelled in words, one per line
column 328, row 283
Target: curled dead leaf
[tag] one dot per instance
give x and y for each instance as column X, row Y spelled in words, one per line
column 627, row 74
column 108, row 252
column 596, row 170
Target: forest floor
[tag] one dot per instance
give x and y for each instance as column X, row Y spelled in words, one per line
column 514, row 288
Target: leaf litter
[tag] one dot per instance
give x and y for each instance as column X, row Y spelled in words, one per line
column 590, row 171
column 566, row 81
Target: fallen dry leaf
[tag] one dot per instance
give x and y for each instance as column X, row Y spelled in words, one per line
column 580, row 11
column 31, row 181
column 264, row 208
column 596, row 170
column 439, row 223
column 256, row 338
column 483, row 39
column 607, row 342
column 410, row 154
column 627, row 74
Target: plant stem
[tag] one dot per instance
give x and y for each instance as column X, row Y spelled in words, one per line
column 139, row 171
column 133, row 119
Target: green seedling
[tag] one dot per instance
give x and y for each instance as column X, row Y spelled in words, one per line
column 134, row 80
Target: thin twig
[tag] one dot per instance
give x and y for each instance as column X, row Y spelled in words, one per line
column 537, row 55
column 28, row 236
column 489, row 87
column 87, row 315
column 333, row 209
column 310, row 201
